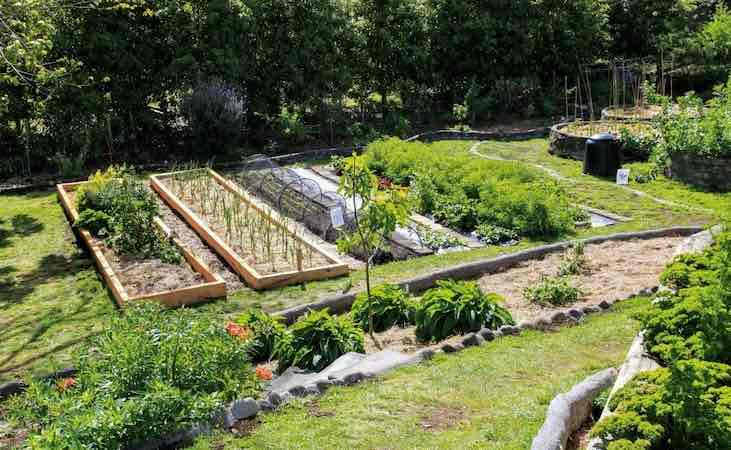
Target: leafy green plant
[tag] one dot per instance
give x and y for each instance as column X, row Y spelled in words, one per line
column 690, row 324
column 266, row 331
column 552, row 291
column 693, row 269
column 438, row 240
column 316, row 340
column 390, row 307
column 148, row 374
column 573, row 261
column 97, row 222
column 496, row 235
column 637, row 146
column 457, row 307
column 685, row 406
column 290, row 125
column 70, row 166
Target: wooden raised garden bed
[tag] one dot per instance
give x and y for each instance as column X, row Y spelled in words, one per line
column 212, row 286
column 263, row 247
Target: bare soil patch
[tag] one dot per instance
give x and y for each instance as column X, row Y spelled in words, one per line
column 244, row 428
column 442, row 419
column 615, row 269
column 313, row 409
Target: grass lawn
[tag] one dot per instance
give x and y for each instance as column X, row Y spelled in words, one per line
column 51, row 296
column 489, row 397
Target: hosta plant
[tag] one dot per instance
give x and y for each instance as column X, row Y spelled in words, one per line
column 317, row 340
column 457, row 307
column 264, row 332
column 390, row 306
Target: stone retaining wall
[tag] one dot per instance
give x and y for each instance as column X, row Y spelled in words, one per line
column 705, row 173
column 455, row 135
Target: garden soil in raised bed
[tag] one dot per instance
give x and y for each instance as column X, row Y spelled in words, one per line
column 148, row 276
column 613, row 270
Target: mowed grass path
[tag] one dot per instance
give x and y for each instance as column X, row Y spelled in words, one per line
column 490, row 397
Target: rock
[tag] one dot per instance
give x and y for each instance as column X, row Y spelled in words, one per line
column 275, row 399
column 323, row 385
column 576, row 314
column 297, row 391
column 311, row 389
column 509, row 330
column 487, row 334
column 591, row 309
column 229, row 420
column 452, row 348
column 353, row 378
column 605, row 304
column 472, row 340
column 243, row 409
column 425, row 354
column 646, row 292
column 559, row 317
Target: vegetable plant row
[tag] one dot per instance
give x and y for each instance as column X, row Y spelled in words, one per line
column 263, row 247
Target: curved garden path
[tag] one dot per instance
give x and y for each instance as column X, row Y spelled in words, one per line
column 474, row 150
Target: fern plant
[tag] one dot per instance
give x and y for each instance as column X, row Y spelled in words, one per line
column 458, row 307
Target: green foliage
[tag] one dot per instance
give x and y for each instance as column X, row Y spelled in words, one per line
column 216, row 112
column 685, row 406
column 693, row 269
column 697, row 129
column 290, row 125
column 390, row 307
column 124, row 208
column 70, row 167
column 637, row 146
column 694, row 323
column 496, row 235
column 316, row 340
column 438, row 240
column 147, row 375
column 457, row 307
column 266, row 331
column 552, row 291
column 462, row 192
column 573, row 261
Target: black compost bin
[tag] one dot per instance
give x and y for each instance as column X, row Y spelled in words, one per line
column 603, row 155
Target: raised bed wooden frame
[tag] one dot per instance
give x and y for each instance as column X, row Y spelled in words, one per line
column 214, row 287
column 250, row 275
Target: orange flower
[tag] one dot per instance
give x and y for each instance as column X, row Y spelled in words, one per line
column 65, row 384
column 263, row 373
column 238, row 331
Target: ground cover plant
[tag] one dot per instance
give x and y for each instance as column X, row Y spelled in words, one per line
column 687, row 403
column 552, row 291
column 118, row 208
column 462, row 192
column 149, row 374
column 457, row 307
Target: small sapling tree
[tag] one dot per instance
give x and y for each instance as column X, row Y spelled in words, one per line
column 378, row 209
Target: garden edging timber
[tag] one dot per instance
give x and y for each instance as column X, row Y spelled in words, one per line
column 342, row 303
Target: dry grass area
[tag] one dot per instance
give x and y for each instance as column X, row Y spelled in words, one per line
column 613, row 270
column 588, row 129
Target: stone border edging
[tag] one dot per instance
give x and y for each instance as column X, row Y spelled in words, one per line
column 341, row 303
column 567, row 411
column 455, row 135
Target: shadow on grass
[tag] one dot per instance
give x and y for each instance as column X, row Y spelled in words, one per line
column 21, row 225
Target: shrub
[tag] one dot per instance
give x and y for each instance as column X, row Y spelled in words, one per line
column 318, row 339
column 149, row 374
column 290, row 125
column 637, row 146
column 690, row 324
column 457, row 307
column 693, row 269
column 266, row 331
column 390, row 305
column 437, row 240
column 698, row 129
column 683, row 407
column 552, row 291
column 216, row 112
column 496, row 235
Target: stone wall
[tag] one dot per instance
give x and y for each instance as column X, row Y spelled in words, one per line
column 705, row 173
column 566, row 145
